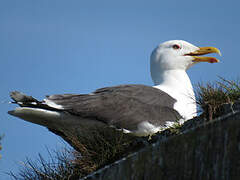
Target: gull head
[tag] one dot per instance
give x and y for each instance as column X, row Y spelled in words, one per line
column 179, row 55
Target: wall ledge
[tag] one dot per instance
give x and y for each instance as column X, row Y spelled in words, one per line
column 201, row 150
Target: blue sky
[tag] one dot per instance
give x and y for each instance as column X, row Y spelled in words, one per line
column 76, row 46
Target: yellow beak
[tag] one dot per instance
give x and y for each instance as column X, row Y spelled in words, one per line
column 202, row 51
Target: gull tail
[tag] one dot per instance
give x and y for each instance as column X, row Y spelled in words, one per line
column 53, row 118
column 33, row 110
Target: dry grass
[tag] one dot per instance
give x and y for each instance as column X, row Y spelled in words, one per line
column 57, row 167
column 101, row 147
column 212, row 96
column 105, row 146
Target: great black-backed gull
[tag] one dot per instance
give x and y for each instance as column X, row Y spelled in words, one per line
column 137, row 109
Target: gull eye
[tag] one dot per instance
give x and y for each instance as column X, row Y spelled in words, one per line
column 176, row 46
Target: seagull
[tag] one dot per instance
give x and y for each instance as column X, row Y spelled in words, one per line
column 136, row 109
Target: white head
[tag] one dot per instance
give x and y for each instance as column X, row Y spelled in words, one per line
column 178, row 55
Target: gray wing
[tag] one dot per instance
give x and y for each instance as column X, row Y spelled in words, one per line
column 121, row 106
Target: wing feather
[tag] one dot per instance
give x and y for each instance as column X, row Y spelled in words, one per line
column 122, row 106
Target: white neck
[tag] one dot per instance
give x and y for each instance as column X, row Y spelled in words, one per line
column 178, row 85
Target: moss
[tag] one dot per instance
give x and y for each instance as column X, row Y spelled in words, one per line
column 176, row 128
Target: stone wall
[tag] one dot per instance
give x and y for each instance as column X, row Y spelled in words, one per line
column 207, row 151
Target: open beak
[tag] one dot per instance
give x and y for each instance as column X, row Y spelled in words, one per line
column 202, row 51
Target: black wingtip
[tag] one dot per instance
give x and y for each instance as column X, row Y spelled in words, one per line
column 21, row 97
column 17, row 96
